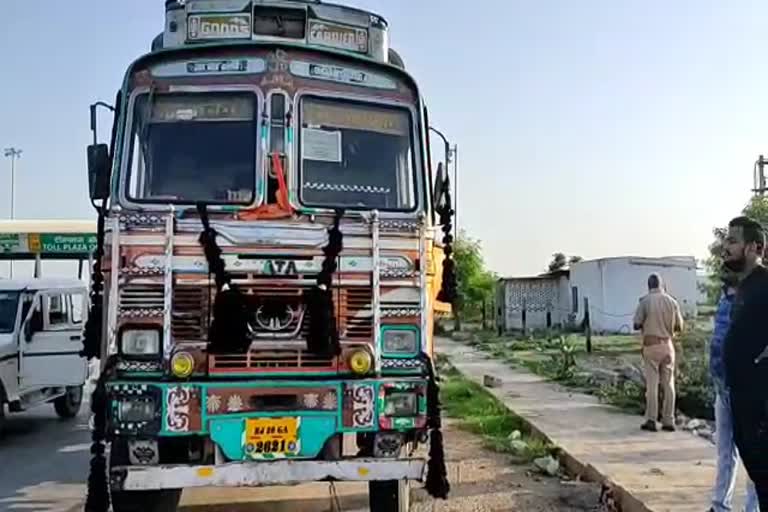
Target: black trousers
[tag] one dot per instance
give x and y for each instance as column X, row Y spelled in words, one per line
column 750, row 433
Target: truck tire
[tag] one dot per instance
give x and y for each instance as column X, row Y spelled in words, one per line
column 68, row 405
column 2, row 414
column 166, row 500
column 389, row 496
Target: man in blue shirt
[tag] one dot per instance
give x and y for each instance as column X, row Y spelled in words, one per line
column 727, row 457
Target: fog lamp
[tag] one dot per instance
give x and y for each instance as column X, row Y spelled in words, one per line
column 360, row 362
column 182, row 365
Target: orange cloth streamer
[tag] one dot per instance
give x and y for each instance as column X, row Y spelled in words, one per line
column 282, row 208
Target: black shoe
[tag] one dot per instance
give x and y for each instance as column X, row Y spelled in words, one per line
column 650, row 426
column 669, row 428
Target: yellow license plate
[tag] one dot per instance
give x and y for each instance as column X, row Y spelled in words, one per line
column 271, row 437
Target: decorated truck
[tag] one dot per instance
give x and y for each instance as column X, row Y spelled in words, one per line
column 272, row 248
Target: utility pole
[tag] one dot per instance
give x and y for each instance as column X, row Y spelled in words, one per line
column 456, row 191
column 13, row 154
column 759, row 176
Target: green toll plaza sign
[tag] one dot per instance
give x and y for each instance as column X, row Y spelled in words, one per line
column 48, row 243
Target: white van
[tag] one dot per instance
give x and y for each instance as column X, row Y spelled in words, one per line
column 41, row 329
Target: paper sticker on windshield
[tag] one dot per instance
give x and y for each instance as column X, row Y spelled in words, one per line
column 321, row 145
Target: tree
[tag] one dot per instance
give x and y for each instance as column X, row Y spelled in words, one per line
column 476, row 283
column 559, row 260
column 756, row 208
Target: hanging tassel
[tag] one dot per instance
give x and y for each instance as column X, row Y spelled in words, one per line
column 229, row 330
column 436, row 484
column 93, row 324
column 97, row 499
column 323, row 334
column 448, row 288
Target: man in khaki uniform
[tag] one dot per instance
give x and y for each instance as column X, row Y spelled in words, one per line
column 658, row 317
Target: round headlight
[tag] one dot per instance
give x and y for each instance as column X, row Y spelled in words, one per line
column 360, row 362
column 182, row 365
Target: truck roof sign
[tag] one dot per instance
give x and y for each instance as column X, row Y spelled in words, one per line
column 314, row 24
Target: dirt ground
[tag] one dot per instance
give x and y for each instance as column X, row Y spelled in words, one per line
column 483, row 480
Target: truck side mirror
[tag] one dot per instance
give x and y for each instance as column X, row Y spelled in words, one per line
column 98, row 171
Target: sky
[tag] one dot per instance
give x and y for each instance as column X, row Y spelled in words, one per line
column 595, row 128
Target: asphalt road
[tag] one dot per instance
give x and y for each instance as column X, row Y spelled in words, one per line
column 44, row 461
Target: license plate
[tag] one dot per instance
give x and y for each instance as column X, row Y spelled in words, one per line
column 271, row 437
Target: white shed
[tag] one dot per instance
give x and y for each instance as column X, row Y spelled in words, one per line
column 615, row 285
column 536, row 302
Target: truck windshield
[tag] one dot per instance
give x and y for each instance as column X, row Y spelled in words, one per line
column 192, row 147
column 356, row 155
column 9, row 302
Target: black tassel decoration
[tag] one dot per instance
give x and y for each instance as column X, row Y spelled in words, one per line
column 437, row 484
column 229, row 330
column 448, row 292
column 93, row 324
column 97, row 498
column 323, row 335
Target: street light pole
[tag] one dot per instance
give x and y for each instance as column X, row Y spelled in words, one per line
column 456, row 191
column 13, row 154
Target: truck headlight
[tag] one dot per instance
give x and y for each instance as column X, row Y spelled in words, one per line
column 140, row 342
column 401, row 404
column 400, row 342
column 136, row 411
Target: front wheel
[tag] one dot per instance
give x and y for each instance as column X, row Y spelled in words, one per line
column 166, row 500
column 68, row 405
column 389, row 496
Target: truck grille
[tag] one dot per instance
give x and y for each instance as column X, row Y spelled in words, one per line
column 356, row 320
column 189, row 320
column 273, row 360
column 141, row 296
column 190, row 313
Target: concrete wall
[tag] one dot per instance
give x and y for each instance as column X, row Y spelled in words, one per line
column 614, row 287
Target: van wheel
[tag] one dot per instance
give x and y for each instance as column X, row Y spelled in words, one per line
column 389, row 496
column 68, row 405
column 166, row 500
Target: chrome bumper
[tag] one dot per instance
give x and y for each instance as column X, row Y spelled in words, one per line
column 260, row 474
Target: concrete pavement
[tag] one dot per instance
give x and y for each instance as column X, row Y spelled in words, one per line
column 659, row 472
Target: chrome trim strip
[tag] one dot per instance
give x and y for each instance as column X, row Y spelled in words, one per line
column 168, row 286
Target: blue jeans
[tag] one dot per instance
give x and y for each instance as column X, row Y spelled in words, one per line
column 727, row 459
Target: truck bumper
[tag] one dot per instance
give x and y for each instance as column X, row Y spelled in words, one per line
column 261, row 474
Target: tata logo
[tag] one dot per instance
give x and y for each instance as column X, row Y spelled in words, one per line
column 280, row 267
